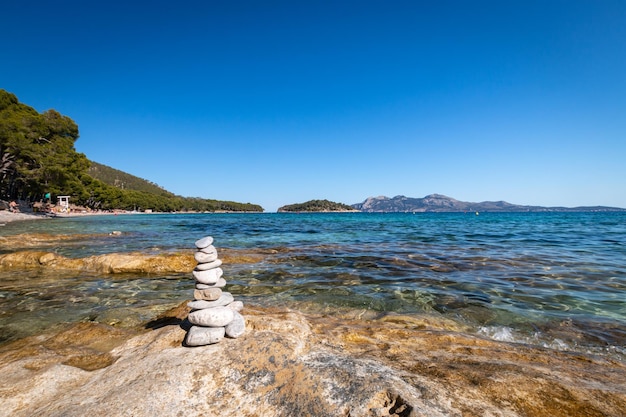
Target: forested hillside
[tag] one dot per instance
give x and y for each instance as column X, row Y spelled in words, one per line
column 125, row 181
column 38, row 158
column 316, row 206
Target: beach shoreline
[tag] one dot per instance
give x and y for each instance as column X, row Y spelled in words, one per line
column 7, row 217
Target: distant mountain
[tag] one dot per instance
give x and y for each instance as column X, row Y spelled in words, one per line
column 442, row 203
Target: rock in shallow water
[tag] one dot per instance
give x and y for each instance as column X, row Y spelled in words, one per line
column 212, row 317
column 200, row 336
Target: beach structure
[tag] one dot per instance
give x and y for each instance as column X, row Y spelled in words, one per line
column 63, row 201
column 215, row 314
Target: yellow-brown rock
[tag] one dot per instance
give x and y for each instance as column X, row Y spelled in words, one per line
column 111, row 263
column 115, row 263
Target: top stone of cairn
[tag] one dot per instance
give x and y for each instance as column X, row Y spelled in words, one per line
column 204, row 242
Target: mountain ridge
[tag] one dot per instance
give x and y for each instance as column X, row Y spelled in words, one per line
column 441, row 203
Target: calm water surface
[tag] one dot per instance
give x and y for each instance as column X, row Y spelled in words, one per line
column 551, row 279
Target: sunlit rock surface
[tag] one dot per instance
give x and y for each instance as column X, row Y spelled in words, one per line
column 110, row 263
column 32, row 251
column 292, row 364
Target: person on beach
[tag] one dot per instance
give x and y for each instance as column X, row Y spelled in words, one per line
column 13, row 207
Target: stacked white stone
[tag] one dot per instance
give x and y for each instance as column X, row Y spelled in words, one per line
column 215, row 313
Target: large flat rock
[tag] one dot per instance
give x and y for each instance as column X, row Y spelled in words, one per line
column 291, row 364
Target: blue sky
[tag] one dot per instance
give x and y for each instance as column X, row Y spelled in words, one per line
column 280, row 102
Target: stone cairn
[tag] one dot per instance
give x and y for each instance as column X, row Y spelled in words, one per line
column 215, row 313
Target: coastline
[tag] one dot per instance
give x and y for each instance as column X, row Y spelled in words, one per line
column 294, row 359
column 9, row 217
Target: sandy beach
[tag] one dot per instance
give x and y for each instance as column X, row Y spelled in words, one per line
column 7, row 217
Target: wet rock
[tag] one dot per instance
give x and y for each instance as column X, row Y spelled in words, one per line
column 47, row 258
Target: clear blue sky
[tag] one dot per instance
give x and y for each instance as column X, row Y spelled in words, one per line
column 280, row 102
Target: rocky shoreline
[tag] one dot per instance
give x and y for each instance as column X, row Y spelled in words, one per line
column 289, row 363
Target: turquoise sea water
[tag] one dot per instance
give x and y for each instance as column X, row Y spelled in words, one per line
column 551, row 279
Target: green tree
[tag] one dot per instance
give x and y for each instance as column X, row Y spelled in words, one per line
column 38, row 154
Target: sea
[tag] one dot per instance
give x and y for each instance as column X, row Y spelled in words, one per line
column 555, row 280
